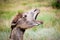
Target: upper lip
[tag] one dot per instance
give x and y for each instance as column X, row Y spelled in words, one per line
column 37, row 12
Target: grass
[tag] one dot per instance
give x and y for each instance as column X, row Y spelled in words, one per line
column 6, row 14
column 50, row 16
column 5, row 17
column 16, row 5
column 4, row 35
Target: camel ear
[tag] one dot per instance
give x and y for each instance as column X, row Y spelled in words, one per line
column 14, row 21
column 19, row 15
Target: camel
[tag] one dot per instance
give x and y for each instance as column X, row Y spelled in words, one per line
column 22, row 22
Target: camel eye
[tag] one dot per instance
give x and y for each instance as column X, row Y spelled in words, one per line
column 25, row 16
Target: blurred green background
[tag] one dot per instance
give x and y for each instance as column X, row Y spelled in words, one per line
column 49, row 14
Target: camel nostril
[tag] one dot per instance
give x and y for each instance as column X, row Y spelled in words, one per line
column 35, row 10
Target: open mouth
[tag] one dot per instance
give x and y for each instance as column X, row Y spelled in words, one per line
column 32, row 14
column 36, row 12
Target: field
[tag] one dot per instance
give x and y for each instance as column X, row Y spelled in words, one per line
column 50, row 17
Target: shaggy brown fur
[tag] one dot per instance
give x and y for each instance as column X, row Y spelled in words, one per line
column 14, row 21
